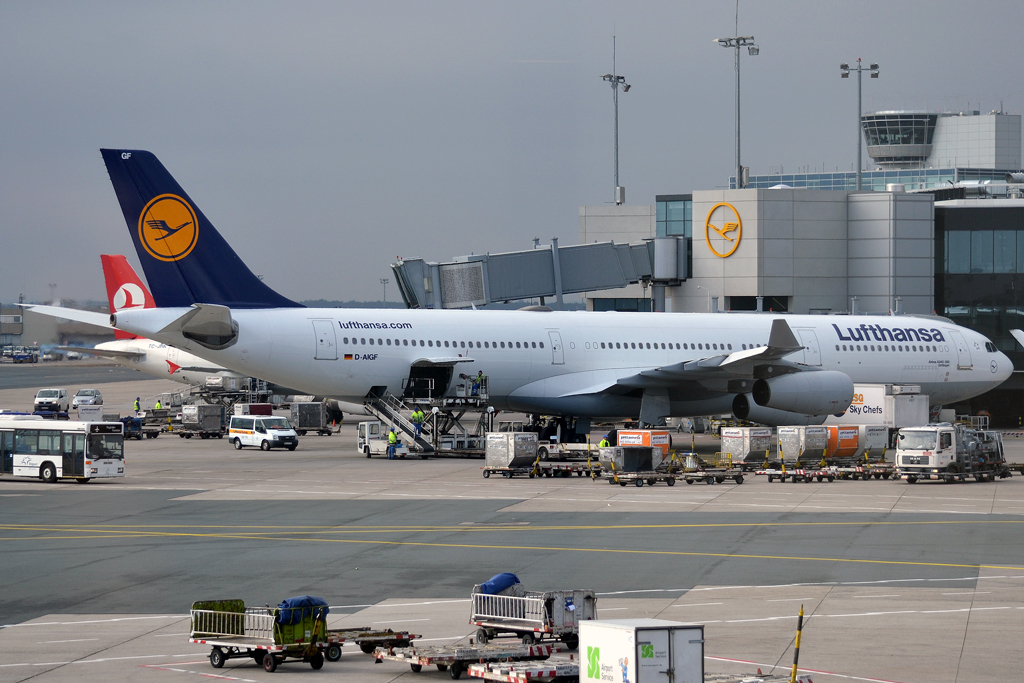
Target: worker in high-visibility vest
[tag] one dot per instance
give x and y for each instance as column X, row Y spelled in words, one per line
column 138, row 406
column 605, row 443
column 392, row 442
column 417, row 418
column 158, row 405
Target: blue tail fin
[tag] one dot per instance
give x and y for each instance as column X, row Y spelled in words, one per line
column 185, row 258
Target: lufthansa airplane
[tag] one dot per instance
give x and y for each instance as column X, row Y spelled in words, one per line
column 772, row 369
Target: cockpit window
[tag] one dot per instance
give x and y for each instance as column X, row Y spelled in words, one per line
column 990, row 347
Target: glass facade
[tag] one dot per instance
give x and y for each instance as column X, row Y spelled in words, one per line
column 623, row 305
column 899, row 129
column 913, row 178
column 674, row 214
column 979, row 278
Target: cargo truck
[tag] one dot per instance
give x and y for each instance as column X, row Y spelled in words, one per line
column 949, row 453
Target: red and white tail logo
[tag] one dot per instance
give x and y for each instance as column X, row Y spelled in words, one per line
column 172, row 367
column 124, row 288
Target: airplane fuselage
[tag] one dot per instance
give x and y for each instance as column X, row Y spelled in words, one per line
column 560, row 362
column 160, row 360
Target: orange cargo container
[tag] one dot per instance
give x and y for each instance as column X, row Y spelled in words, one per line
column 843, row 442
column 658, row 438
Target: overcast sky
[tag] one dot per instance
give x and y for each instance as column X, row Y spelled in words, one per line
column 325, row 139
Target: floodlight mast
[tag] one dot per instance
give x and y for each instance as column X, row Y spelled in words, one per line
column 753, row 50
column 615, row 80
column 844, row 72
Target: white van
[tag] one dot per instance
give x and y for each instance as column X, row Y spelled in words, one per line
column 263, row 431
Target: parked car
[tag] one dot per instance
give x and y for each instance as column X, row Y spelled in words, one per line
column 52, row 399
column 73, row 355
column 87, row 397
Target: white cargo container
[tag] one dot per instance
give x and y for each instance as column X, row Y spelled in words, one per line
column 91, row 414
column 641, row 651
column 892, row 405
column 746, row 444
column 802, row 442
column 511, row 449
column 873, row 438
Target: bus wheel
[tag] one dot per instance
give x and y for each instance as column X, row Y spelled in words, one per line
column 48, row 472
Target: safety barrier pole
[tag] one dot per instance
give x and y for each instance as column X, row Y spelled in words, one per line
column 796, row 648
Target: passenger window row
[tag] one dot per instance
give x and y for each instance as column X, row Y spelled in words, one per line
column 662, row 345
column 892, row 347
column 438, row 343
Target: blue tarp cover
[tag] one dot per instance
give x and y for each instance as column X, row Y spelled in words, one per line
column 294, row 610
column 498, row 583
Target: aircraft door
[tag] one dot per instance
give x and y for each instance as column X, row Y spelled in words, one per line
column 809, row 340
column 557, row 355
column 326, row 340
column 963, row 352
column 6, row 452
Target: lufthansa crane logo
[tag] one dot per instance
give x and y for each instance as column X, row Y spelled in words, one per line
column 722, row 229
column 168, row 228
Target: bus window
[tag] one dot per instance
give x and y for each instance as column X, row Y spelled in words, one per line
column 49, row 443
column 26, row 441
column 102, row 446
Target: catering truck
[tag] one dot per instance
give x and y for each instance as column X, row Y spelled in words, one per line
column 949, row 453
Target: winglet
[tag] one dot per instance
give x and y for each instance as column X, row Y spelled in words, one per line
column 1018, row 335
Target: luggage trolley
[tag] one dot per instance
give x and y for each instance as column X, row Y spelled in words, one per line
column 368, row 639
column 502, row 605
column 268, row 635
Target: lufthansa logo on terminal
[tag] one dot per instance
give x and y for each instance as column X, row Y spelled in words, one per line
column 168, row 227
column 722, row 229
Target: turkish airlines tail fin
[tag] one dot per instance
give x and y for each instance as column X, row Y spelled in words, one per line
column 184, row 257
column 124, row 288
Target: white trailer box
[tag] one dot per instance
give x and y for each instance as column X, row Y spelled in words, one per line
column 91, row 414
column 873, row 438
column 641, row 651
column 802, row 442
column 746, row 444
column 892, row 405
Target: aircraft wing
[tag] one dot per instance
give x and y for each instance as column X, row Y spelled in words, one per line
column 1018, row 335
column 89, row 317
column 733, row 372
column 106, row 353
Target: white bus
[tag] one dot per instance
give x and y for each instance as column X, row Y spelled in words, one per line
column 52, row 450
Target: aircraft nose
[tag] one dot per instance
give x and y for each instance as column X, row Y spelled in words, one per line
column 1004, row 367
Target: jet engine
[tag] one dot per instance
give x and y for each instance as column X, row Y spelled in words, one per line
column 744, row 408
column 815, row 393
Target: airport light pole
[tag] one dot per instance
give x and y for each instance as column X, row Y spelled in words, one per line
column 384, row 281
column 844, row 72
column 615, row 80
column 753, row 50
column 709, row 295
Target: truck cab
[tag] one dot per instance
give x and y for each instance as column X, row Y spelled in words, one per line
column 949, row 452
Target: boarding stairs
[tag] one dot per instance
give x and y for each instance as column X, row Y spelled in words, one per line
column 389, row 408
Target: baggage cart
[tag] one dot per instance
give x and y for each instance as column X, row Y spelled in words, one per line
column 233, row 631
column 457, row 658
column 716, row 470
column 532, row 615
column 514, row 450
column 556, row 468
column 798, row 474
column 638, row 479
column 310, row 417
column 207, row 421
column 368, row 639
column 509, row 472
column 558, row 668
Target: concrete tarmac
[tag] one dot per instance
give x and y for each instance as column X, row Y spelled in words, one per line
column 902, row 583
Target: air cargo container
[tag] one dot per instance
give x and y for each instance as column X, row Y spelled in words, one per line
column 641, row 651
column 746, row 444
column 802, row 442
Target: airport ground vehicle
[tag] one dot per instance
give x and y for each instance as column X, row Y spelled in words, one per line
column 457, row 658
column 53, row 400
column 372, row 440
column 368, row 639
column 204, row 420
column 33, row 447
column 25, row 354
column 135, row 428
column 500, row 606
column 268, row 635
column 311, row 417
column 262, row 431
column 949, row 453
column 87, row 397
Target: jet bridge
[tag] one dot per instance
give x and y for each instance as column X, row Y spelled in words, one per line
column 552, row 272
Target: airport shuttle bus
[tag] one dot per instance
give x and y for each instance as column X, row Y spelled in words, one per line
column 51, row 450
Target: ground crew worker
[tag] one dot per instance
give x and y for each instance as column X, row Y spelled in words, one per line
column 158, row 405
column 478, row 382
column 605, row 443
column 392, row 442
column 138, row 406
column 417, row 420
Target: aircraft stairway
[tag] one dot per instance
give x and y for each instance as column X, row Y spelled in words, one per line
column 389, row 408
